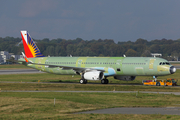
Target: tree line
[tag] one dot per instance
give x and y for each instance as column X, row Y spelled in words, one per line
column 170, row 49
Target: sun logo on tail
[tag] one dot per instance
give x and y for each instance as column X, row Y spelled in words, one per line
column 30, row 48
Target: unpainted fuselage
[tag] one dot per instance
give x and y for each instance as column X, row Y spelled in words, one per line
column 113, row 66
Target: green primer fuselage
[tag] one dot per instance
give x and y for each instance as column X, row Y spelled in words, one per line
column 113, row 66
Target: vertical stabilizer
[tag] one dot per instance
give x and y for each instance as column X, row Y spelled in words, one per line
column 30, row 48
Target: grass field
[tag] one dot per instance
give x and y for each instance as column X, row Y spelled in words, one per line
column 52, row 80
column 32, row 105
column 41, row 105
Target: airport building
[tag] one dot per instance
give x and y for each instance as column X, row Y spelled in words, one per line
column 5, row 55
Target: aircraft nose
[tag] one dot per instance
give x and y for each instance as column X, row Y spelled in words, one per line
column 172, row 69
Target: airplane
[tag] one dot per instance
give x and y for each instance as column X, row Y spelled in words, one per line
column 94, row 68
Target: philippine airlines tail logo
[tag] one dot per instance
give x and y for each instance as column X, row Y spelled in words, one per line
column 30, row 48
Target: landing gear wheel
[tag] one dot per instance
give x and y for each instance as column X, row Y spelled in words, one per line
column 107, row 81
column 158, row 84
column 104, row 81
column 83, row 81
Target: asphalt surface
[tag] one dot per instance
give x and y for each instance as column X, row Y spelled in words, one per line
column 175, row 93
column 19, row 71
column 125, row 110
column 177, row 67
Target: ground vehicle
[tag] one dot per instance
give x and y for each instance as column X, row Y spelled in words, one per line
column 167, row 82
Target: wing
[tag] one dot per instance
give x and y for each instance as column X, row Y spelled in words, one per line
column 77, row 69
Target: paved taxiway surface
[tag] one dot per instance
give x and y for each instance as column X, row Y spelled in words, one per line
column 177, row 67
column 163, row 111
column 19, row 71
column 175, row 93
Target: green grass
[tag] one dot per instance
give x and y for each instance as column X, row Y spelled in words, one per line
column 82, row 87
column 52, row 79
column 41, row 105
column 19, row 105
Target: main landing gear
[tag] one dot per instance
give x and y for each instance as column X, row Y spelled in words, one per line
column 83, row 81
column 104, row 81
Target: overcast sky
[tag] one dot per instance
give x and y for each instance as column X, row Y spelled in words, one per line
column 120, row 20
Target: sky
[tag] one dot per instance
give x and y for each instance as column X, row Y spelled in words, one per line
column 120, row 20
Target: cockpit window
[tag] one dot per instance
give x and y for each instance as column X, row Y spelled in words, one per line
column 167, row 63
column 164, row 63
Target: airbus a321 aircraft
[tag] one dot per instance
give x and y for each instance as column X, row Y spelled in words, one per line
column 94, row 68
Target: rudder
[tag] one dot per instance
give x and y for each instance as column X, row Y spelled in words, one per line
column 30, row 48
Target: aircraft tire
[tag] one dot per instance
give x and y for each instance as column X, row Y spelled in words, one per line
column 106, row 81
column 103, row 81
column 81, row 81
column 158, row 84
column 85, row 81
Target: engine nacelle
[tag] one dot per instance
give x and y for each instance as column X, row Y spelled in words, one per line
column 125, row 78
column 93, row 75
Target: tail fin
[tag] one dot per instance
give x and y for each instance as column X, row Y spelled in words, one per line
column 30, row 48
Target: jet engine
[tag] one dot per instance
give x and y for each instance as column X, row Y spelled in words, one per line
column 93, row 75
column 125, row 78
